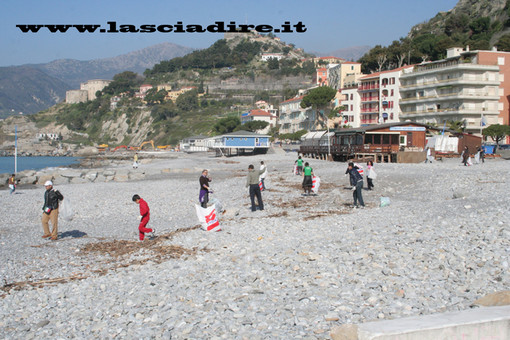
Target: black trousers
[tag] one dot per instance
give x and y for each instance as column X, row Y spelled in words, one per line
column 255, row 191
column 370, row 184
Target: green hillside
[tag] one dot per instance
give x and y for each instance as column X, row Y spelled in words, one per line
column 479, row 24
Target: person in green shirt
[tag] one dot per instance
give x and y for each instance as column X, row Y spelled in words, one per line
column 299, row 163
column 307, row 178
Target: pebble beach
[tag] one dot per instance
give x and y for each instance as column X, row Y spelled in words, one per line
column 292, row 271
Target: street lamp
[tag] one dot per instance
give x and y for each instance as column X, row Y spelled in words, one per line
column 327, row 126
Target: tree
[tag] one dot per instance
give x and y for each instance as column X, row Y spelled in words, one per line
column 273, row 64
column 123, row 82
column 153, row 96
column 253, row 125
column 187, row 101
column 319, row 99
column 497, row 132
column 227, row 124
column 503, row 43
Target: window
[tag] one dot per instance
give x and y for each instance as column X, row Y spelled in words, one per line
column 386, row 139
column 394, row 139
column 352, row 108
column 392, row 92
column 377, row 139
column 369, row 139
column 352, row 96
column 501, row 60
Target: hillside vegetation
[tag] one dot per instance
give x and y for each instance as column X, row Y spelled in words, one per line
column 479, row 24
column 131, row 120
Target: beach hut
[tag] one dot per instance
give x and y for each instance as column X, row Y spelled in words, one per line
column 241, row 142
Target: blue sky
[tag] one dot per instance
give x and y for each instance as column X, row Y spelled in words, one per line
column 331, row 24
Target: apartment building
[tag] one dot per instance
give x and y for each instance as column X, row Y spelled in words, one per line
column 468, row 86
column 294, row 118
column 380, row 97
column 351, row 104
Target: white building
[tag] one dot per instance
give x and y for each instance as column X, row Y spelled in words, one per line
column 351, row 106
column 263, row 116
column 467, row 86
column 267, row 56
column 294, row 118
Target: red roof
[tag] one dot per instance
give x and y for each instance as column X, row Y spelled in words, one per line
column 292, row 100
column 258, row 112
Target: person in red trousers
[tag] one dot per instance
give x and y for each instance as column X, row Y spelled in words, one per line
column 145, row 217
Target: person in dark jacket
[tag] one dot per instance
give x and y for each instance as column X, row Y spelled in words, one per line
column 357, row 184
column 204, row 188
column 50, row 211
column 465, row 155
column 145, row 217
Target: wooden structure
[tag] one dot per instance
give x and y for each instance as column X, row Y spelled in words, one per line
column 379, row 143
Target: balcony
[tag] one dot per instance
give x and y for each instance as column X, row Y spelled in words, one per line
column 441, row 67
column 368, row 87
column 476, row 81
column 372, row 99
column 369, row 110
column 450, row 96
column 450, row 111
column 369, row 121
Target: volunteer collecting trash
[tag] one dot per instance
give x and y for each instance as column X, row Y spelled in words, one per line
column 50, row 210
column 145, row 217
column 357, row 184
column 252, row 181
column 204, row 188
column 307, row 179
column 299, row 164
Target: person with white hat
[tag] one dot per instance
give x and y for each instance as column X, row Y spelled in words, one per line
column 50, row 210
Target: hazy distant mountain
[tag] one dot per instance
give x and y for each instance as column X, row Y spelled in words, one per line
column 28, row 90
column 74, row 72
column 349, row 53
column 35, row 87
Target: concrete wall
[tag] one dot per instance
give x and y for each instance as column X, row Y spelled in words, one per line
column 481, row 323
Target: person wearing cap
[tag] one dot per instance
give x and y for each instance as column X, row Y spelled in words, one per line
column 50, row 211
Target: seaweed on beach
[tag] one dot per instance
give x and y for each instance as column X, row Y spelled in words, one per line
column 118, row 249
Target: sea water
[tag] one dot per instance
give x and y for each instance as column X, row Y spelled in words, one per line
column 35, row 163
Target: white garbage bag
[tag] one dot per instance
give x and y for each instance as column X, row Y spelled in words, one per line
column 66, row 209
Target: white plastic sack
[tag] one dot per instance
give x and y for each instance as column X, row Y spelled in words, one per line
column 385, row 201
column 316, row 183
column 66, row 209
column 372, row 174
column 207, row 217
